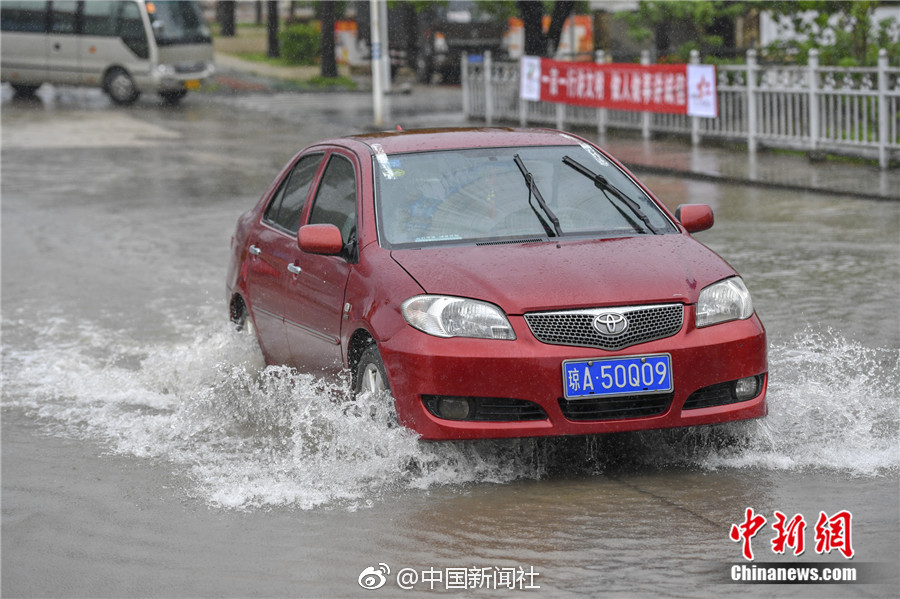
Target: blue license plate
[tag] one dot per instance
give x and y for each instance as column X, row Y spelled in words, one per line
column 608, row 377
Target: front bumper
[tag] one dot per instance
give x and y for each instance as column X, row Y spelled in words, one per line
column 181, row 76
column 420, row 366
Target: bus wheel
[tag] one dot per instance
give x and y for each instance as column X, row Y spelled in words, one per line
column 172, row 98
column 120, row 87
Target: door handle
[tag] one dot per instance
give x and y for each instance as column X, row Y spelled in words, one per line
column 294, row 269
column 254, row 251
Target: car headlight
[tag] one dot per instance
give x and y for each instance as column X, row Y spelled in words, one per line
column 726, row 300
column 445, row 316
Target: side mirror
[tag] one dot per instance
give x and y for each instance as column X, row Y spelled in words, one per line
column 695, row 217
column 323, row 239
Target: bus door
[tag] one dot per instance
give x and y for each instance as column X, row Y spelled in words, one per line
column 63, row 43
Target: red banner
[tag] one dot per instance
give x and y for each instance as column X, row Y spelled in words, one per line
column 663, row 88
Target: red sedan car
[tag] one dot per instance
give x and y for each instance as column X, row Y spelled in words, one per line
column 498, row 283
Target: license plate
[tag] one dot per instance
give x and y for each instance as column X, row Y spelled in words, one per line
column 192, row 84
column 608, row 377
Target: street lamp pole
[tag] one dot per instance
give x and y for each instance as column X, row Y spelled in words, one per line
column 377, row 63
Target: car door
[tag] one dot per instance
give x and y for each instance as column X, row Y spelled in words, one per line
column 314, row 315
column 272, row 251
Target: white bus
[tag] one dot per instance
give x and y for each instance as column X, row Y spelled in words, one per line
column 124, row 47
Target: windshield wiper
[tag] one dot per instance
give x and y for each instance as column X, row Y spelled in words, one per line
column 533, row 189
column 601, row 183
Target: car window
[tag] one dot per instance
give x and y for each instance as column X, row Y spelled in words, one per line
column 481, row 195
column 335, row 201
column 287, row 204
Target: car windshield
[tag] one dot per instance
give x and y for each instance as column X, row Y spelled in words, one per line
column 483, row 195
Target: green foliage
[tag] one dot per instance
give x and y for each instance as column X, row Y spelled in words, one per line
column 694, row 21
column 842, row 32
column 300, row 43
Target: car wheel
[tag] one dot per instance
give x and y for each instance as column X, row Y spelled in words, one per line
column 172, row 98
column 370, row 374
column 120, row 87
column 240, row 316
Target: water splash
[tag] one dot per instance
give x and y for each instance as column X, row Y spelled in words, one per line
column 251, row 436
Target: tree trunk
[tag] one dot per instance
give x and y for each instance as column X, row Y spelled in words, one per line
column 561, row 10
column 272, row 7
column 225, row 16
column 532, row 13
column 329, row 64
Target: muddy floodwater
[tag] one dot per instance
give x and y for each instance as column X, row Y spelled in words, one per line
column 148, row 452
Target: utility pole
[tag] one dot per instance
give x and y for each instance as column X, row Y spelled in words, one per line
column 377, row 62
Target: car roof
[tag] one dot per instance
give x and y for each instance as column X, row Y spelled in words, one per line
column 418, row 140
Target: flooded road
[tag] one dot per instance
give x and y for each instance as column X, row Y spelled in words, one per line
column 147, row 452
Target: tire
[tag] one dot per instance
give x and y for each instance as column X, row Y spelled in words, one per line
column 120, row 87
column 23, row 89
column 172, row 98
column 240, row 317
column 370, row 375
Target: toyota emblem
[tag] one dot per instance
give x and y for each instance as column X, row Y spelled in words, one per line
column 610, row 323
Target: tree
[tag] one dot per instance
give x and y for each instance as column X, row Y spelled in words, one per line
column 225, row 17
column 532, row 13
column 273, row 50
column 843, row 32
column 676, row 28
column 328, row 62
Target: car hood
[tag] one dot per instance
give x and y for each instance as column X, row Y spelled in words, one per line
column 572, row 274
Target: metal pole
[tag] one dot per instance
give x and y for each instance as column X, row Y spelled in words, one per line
column 600, row 58
column 377, row 63
column 488, row 90
column 386, row 46
column 882, row 108
column 466, row 88
column 813, row 82
column 695, row 120
column 645, row 117
column 751, row 101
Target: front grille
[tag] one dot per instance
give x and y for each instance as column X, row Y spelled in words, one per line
column 575, row 327
column 190, row 67
column 616, row 408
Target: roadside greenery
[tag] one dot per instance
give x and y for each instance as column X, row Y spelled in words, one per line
column 301, row 43
column 843, row 31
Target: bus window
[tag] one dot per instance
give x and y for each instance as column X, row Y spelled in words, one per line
column 99, row 18
column 23, row 16
column 131, row 30
column 62, row 16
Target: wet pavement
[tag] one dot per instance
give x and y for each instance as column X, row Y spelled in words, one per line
column 146, row 452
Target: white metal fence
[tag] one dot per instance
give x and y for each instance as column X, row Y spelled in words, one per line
column 849, row 111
